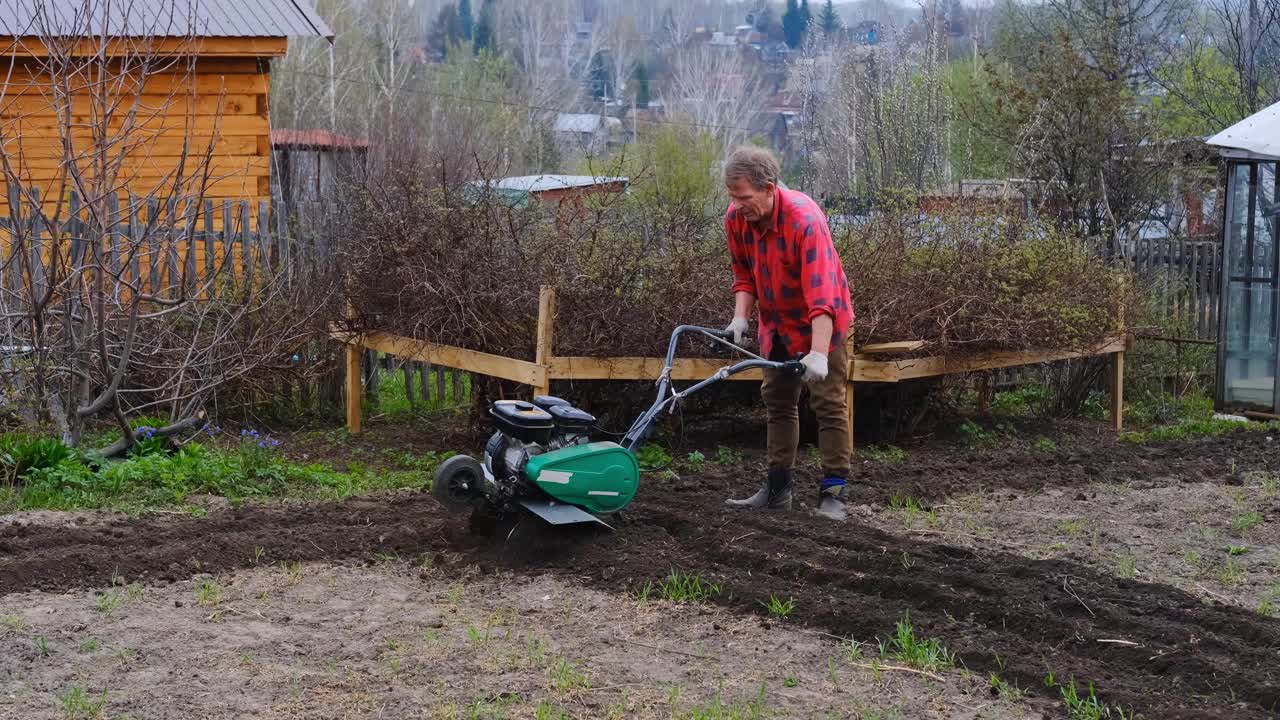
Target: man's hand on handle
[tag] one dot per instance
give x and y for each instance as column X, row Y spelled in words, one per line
column 738, row 328
column 815, row 367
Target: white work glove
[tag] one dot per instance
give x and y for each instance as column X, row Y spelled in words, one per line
column 738, row 328
column 815, row 367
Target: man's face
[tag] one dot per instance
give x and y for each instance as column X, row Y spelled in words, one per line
column 754, row 203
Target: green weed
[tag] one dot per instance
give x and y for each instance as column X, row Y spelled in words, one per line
column 1025, row 401
column 1237, row 550
column 653, row 458
column 90, row 645
column 547, row 710
column 777, row 607
column 644, row 592
column 42, row 646
column 1232, row 572
column 974, row 437
column 1004, row 689
column 108, row 602
column 208, row 593
column 1088, row 706
column 680, row 586
column 695, row 461
column 78, row 704
column 14, row 622
column 1071, row 527
column 566, row 676
column 716, row 709
column 790, row 681
column 1246, row 519
column 921, row 654
column 1044, row 446
column 1127, row 565
column 728, row 456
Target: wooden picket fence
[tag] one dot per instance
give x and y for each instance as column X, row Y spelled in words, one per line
column 1186, row 279
column 159, row 249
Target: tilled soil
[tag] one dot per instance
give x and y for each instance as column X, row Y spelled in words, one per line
column 1149, row 646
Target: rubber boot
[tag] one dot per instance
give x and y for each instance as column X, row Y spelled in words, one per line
column 774, row 494
column 833, row 499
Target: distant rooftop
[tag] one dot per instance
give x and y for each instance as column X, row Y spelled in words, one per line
column 163, row 18
column 579, row 122
column 545, row 183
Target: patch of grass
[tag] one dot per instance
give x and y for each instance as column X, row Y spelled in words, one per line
column 921, row 654
column 78, row 704
column 790, row 681
column 208, row 593
column 42, row 646
column 1204, row 427
column 890, row 454
column 134, row 592
column 1267, row 607
column 394, row 403
column 695, row 461
column 1025, row 401
column 1086, row 706
column 90, row 645
column 644, row 592
column 293, row 570
column 728, row 456
column 14, row 622
column 682, row 587
column 566, row 676
column 1237, row 550
column 1071, row 527
column 777, row 607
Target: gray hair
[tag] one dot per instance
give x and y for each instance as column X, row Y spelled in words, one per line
column 755, row 164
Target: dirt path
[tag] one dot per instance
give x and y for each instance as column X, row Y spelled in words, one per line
column 396, row 639
column 1163, row 651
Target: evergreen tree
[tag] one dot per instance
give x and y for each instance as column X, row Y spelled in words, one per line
column 829, row 21
column 465, row 19
column 601, row 79
column 483, row 35
column 642, row 86
column 445, row 32
column 805, row 17
column 793, row 24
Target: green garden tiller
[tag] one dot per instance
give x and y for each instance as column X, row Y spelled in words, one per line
column 541, row 457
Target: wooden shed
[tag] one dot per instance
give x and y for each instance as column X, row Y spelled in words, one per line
column 187, row 81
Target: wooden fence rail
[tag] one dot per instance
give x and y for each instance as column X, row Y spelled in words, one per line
column 864, row 366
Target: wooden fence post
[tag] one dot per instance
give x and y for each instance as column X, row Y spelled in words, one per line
column 1117, row 390
column 546, row 329
column 355, row 386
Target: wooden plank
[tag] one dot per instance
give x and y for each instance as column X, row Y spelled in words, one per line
column 354, row 396
column 113, row 243
column 902, row 346
column 210, row 237
column 897, row 370
column 160, row 124
column 638, row 368
column 171, row 240
column 135, row 246
column 36, row 239
column 41, row 148
column 545, row 332
column 159, row 83
column 265, row 261
column 123, row 101
column 243, row 236
column 520, row 371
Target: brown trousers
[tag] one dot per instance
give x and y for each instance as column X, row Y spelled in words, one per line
column 781, row 394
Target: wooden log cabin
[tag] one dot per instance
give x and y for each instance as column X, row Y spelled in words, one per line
column 188, row 76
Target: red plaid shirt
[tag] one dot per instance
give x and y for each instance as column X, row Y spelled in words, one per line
column 792, row 270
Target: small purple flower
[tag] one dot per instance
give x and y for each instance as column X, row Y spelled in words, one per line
column 262, row 444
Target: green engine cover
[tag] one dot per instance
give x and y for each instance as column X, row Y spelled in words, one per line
column 599, row 477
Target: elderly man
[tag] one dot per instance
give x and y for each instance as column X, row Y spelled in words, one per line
column 785, row 264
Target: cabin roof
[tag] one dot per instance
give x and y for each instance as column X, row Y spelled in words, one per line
column 165, row 18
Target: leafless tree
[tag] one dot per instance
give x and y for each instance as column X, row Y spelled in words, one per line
column 717, row 89
column 108, row 309
column 885, row 121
